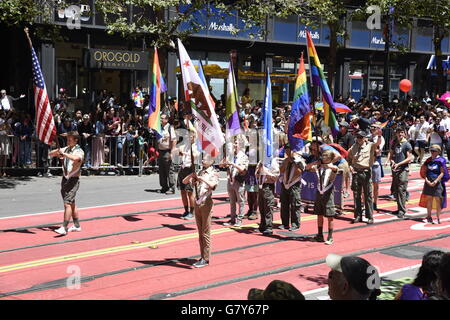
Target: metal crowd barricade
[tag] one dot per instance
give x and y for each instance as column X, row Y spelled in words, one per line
column 102, row 154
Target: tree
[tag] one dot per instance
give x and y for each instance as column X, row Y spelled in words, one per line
column 331, row 13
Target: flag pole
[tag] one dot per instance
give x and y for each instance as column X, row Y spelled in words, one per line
column 26, row 30
column 188, row 124
column 313, row 98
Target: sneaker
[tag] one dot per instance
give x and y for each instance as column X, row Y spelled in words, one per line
column 184, row 215
column 253, row 216
column 357, row 219
column 294, row 228
column 39, row 174
column 73, row 228
column 201, row 263
column 428, row 220
column 267, row 232
column 329, row 241
column 229, row 223
column 238, row 223
column 48, row 174
column 282, row 227
column 401, row 216
column 370, row 221
column 61, row 230
column 189, row 216
column 171, row 191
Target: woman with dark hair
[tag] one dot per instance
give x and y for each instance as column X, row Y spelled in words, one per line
column 426, row 282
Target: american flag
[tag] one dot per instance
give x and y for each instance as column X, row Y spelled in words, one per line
column 45, row 126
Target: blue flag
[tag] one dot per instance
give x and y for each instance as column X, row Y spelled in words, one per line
column 267, row 124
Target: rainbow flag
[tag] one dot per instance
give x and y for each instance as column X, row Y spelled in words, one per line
column 304, row 128
column 318, row 79
column 157, row 87
column 300, row 108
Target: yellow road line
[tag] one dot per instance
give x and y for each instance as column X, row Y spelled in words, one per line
column 41, row 262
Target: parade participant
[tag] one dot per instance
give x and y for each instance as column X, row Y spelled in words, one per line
column 361, row 157
column 421, row 138
column 399, row 158
column 72, row 156
column 267, row 176
column 291, row 171
column 237, row 169
column 434, row 193
column 324, row 201
column 187, row 193
column 166, row 144
column 377, row 168
column 206, row 181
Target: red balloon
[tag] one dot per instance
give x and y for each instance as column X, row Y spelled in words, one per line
column 405, row 85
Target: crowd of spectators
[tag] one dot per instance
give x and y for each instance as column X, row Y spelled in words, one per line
column 116, row 134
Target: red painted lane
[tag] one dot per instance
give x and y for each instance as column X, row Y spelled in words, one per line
column 307, row 278
column 231, row 265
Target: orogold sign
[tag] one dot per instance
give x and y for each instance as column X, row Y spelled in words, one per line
column 109, row 56
column 117, row 59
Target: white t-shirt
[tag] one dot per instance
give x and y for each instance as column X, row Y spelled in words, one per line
column 445, row 123
column 5, row 104
column 421, row 131
column 435, row 138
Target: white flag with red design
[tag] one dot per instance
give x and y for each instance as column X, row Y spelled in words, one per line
column 206, row 123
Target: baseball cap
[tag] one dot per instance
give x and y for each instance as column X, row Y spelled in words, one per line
column 276, row 290
column 344, row 124
column 355, row 270
column 362, row 133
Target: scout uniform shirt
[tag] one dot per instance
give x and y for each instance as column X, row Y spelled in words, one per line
column 167, row 135
column 72, row 168
column 241, row 160
column 268, row 175
column 362, row 157
column 292, row 171
column 204, row 191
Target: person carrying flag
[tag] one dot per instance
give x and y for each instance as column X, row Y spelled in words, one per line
column 72, row 157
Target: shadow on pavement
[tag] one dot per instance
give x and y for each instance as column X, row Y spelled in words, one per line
column 179, row 263
column 12, row 182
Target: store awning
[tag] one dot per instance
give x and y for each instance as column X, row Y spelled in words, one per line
column 215, row 71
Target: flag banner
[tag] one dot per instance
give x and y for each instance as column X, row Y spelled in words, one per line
column 233, row 126
column 267, row 124
column 201, row 74
column 300, row 108
column 206, row 122
column 318, row 79
column 157, row 87
column 45, row 126
column 303, row 129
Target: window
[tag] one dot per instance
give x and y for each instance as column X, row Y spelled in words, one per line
column 67, row 76
column 424, row 36
column 285, row 29
column 360, row 34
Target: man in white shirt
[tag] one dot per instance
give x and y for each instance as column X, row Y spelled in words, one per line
column 166, row 144
column 421, row 138
column 72, row 157
column 6, row 102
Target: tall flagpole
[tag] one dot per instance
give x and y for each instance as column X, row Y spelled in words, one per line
column 313, row 98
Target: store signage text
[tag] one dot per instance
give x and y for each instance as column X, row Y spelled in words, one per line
column 116, row 59
column 376, row 40
column 314, row 35
column 222, row 27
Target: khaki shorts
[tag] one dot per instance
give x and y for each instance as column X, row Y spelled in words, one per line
column 69, row 188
